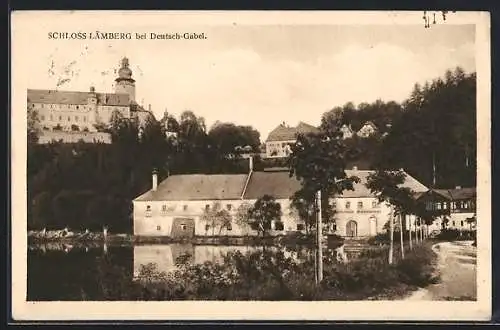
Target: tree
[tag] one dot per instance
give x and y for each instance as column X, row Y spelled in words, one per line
column 387, row 186
column 434, row 138
column 242, row 217
column 215, row 217
column 33, row 125
column 318, row 161
column 227, row 136
column 264, row 212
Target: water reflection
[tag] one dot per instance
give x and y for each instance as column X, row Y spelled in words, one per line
column 58, row 271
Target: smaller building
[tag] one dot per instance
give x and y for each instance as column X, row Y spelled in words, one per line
column 458, row 206
column 347, row 132
column 282, row 137
column 367, row 130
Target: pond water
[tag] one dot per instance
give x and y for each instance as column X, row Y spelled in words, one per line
column 65, row 272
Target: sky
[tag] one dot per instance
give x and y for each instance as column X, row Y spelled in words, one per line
column 258, row 75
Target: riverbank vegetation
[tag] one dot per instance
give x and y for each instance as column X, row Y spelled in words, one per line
column 264, row 274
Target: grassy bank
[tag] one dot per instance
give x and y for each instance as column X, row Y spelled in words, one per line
column 271, row 275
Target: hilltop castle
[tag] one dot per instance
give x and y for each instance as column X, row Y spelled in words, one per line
column 71, row 116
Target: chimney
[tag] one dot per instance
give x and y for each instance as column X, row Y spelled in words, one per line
column 92, row 89
column 155, row 180
column 250, row 164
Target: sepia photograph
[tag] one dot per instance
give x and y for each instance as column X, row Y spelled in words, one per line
column 251, row 165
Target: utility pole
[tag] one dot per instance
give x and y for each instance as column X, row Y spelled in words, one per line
column 319, row 238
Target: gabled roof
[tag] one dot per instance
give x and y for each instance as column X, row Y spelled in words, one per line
column 232, row 186
column 278, row 184
column 285, row 133
column 79, row 98
column 197, row 187
column 361, row 190
column 457, row 193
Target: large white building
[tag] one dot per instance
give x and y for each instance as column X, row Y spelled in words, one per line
column 71, row 116
column 176, row 205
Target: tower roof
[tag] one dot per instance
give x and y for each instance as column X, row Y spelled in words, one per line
column 124, row 73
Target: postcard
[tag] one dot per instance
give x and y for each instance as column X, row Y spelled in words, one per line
column 277, row 165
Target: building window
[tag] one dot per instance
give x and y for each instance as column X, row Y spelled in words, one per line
column 453, row 205
column 300, row 226
column 207, row 227
column 158, row 228
column 51, row 118
column 185, row 207
column 461, row 223
column 69, row 118
column 77, row 107
column 76, row 118
column 374, row 204
column 85, row 119
column 334, row 204
column 445, row 206
column 207, row 207
column 360, row 205
column 164, row 208
column 438, row 206
column 347, row 205
column 183, row 226
column 229, row 206
column 279, row 225
column 229, row 227
column 148, row 210
column 453, row 223
column 60, row 118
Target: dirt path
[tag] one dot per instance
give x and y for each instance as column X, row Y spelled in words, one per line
column 457, row 269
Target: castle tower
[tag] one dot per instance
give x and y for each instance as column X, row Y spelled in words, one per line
column 124, row 83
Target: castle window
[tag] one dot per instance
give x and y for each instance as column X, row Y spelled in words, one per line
column 347, row 205
column 185, row 207
column 374, row 204
column 461, row 223
column 207, row 207
column 229, row 206
column 69, row 118
column 360, row 205
column 158, row 228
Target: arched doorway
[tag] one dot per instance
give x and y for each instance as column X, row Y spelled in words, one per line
column 351, row 228
column 373, row 226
